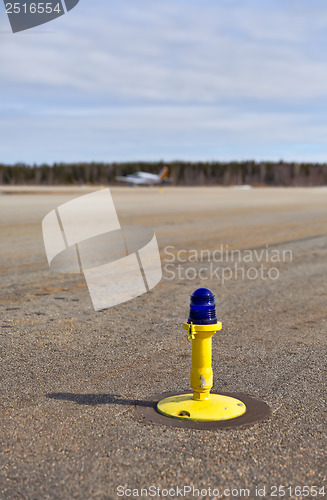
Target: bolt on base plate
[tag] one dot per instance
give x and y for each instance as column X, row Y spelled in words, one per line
column 217, row 407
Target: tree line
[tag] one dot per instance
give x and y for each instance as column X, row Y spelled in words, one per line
column 180, row 173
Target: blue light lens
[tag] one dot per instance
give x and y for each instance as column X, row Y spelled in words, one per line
column 202, row 307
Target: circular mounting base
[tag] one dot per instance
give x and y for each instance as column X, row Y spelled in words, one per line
column 256, row 411
column 217, row 407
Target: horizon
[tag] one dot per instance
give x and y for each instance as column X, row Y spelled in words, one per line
column 158, row 163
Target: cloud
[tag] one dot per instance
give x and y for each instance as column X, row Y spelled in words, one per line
column 168, row 132
column 208, row 72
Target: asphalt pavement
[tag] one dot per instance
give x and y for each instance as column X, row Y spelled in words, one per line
column 71, row 377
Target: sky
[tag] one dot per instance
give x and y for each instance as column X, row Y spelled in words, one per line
column 175, row 80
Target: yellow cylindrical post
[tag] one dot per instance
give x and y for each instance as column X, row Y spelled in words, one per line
column 201, row 372
column 201, row 405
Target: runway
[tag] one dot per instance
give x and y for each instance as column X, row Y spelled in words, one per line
column 71, row 377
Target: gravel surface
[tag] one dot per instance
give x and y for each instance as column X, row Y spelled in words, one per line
column 71, row 377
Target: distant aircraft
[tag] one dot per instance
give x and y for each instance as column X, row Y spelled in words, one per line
column 145, row 178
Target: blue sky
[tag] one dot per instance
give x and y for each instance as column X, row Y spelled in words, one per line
column 180, row 79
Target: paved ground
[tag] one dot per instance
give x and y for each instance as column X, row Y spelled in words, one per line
column 70, row 377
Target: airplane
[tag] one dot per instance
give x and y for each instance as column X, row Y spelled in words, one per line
column 145, row 178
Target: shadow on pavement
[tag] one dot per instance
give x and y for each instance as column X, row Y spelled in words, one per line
column 98, row 399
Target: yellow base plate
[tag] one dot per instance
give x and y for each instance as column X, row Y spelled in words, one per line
column 218, row 407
